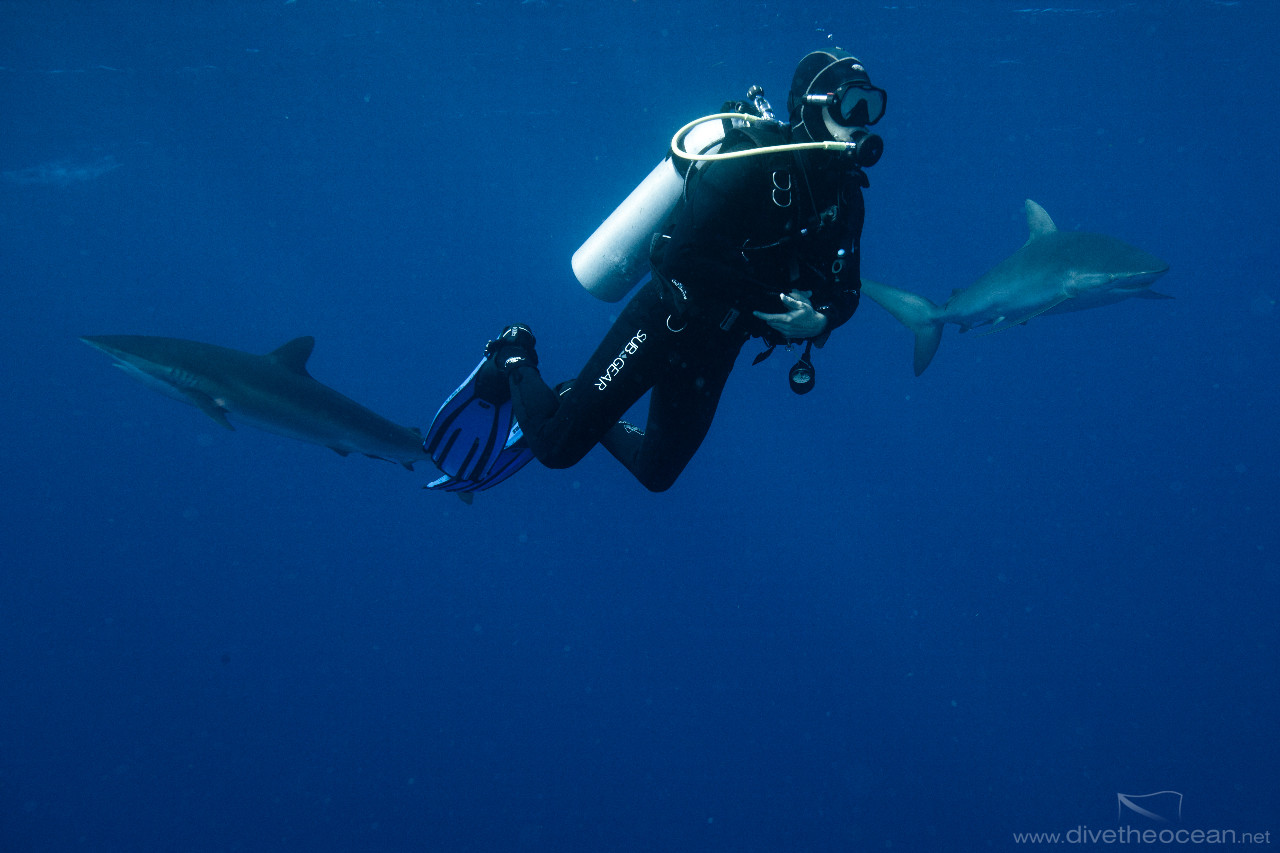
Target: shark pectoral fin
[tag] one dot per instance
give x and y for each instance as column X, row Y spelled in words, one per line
column 1005, row 323
column 209, row 406
column 343, row 453
column 1151, row 294
column 406, row 464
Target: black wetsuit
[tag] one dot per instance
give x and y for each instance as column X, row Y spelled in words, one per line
column 747, row 230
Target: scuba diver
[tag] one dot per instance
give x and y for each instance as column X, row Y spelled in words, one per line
column 760, row 239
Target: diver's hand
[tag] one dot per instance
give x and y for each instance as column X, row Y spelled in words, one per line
column 801, row 321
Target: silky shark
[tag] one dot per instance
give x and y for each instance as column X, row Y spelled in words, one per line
column 1054, row 272
column 273, row 392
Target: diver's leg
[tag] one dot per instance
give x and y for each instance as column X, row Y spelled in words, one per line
column 562, row 427
column 681, row 408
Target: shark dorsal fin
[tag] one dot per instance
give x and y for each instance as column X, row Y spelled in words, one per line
column 1038, row 222
column 293, row 355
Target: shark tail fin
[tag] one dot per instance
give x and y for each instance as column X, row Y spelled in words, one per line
column 918, row 314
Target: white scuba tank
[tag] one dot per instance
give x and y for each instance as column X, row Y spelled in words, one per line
column 616, row 257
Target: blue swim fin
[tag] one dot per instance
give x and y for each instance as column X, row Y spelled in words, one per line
column 474, row 438
column 514, row 456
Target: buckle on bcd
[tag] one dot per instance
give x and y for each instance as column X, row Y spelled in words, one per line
column 768, row 351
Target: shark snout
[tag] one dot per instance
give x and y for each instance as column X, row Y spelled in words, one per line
column 1147, row 276
column 100, row 342
column 1158, row 268
column 122, row 348
column 1147, row 267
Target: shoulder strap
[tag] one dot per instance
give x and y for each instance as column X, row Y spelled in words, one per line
column 762, row 135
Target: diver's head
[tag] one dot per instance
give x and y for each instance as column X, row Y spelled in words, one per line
column 832, row 98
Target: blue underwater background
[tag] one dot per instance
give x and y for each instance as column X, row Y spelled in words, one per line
column 898, row 613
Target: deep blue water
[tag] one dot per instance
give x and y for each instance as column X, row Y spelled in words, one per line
column 899, row 613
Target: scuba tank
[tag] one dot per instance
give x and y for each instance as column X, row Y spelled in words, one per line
column 615, row 258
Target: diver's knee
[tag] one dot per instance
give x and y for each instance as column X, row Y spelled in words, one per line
column 658, row 482
column 559, row 458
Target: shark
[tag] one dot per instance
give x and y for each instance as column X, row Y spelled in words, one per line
column 273, row 392
column 1054, row 272
column 60, row 173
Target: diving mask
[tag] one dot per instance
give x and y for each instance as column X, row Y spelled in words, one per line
column 855, row 103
